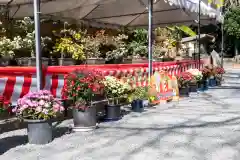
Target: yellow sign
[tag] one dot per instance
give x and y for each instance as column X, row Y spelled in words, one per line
column 163, row 87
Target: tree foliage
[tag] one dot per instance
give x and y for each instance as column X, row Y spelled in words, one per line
column 232, row 22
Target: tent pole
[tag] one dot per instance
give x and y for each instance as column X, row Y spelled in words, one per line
column 150, row 38
column 199, row 25
column 36, row 5
column 222, row 30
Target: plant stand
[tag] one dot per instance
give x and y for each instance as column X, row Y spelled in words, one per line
column 137, row 105
column 30, row 61
column 184, row 92
column 39, row 131
column 133, row 61
column 112, row 112
column 95, row 61
column 84, row 120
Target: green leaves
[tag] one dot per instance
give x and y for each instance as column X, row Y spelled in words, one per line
column 232, row 22
column 187, row 30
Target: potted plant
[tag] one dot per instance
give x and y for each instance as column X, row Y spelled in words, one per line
column 184, row 79
column 212, row 77
column 69, row 47
column 5, row 109
column 38, row 109
column 197, row 77
column 117, row 49
column 137, row 47
column 114, row 90
column 206, row 72
column 81, row 87
column 219, row 72
column 92, row 48
column 139, row 98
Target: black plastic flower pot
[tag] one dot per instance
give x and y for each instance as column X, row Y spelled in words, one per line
column 184, row 92
column 212, row 82
column 218, row 82
column 193, row 87
column 137, row 105
column 203, row 86
column 84, row 120
column 39, row 131
column 112, row 112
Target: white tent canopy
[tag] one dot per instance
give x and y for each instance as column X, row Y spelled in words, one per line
column 116, row 12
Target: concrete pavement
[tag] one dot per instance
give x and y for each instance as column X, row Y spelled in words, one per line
column 202, row 127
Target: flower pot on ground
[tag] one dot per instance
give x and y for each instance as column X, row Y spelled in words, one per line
column 193, row 87
column 114, row 89
column 138, row 98
column 203, row 85
column 82, row 86
column 184, row 91
column 38, row 109
column 39, row 131
column 219, row 72
column 84, row 120
column 212, row 82
column 197, row 77
column 137, row 105
column 183, row 83
column 218, row 82
column 112, row 112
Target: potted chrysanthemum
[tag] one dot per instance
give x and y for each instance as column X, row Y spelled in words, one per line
column 38, row 109
column 184, row 79
column 81, row 88
column 197, row 77
column 114, row 90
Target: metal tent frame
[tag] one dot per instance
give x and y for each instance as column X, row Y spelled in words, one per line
column 90, row 12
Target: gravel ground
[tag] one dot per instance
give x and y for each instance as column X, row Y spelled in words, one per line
column 202, row 127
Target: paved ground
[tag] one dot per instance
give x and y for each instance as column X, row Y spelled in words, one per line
column 202, row 127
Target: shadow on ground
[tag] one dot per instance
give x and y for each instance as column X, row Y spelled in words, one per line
column 8, row 143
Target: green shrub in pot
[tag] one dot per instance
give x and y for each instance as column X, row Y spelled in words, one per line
column 139, row 98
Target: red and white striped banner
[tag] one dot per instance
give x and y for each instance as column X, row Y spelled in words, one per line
column 15, row 82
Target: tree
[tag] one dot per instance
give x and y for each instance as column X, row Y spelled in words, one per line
column 232, row 22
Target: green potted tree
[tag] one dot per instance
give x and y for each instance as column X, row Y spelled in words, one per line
column 81, row 88
column 69, row 47
column 38, row 109
column 92, row 49
column 137, row 47
column 114, row 90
